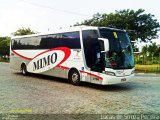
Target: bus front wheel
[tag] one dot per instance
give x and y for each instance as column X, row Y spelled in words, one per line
column 24, row 69
column 74, row 77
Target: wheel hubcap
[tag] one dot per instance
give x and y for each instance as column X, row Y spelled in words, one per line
column 74, row 77
column 23, row 71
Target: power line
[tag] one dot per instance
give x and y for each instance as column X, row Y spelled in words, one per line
column 55, row 9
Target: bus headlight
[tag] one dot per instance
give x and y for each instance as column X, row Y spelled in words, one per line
column 110, row 73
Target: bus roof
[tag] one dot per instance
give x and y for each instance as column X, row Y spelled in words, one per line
column 70, row 29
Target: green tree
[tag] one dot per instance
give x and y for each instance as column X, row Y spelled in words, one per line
column 152, row 49
column 157, row 52
column 2, row 38
column 145, row 49
column 23, row 31
column 151, row 54
column 4, row 46
column 138, row 24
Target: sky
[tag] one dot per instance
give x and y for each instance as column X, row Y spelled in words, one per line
column 44, row 15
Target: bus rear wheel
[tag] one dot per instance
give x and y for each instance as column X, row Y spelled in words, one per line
column 74, row 77
column 24, row 70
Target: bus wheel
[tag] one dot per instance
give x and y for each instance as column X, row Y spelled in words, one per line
column 24, row 69
column 74, row 77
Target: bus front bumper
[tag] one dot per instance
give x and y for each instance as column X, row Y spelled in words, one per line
column 108, row 80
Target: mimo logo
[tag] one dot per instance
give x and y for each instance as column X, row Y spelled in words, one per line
column 48, row 60
column 45, row 61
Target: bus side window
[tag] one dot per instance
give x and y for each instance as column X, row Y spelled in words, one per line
column 89, row 36
column 96, row 57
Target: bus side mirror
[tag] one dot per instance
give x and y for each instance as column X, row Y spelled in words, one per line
column 104, row 43
column 101, row 44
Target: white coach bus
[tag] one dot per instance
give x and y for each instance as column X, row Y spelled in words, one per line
column 98, row 55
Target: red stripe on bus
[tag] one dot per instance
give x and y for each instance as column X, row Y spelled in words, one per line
column 66, row 50
column 27, row 58
column 67, row 68
column 92, row 75
column 63, row 67
column 67, row 54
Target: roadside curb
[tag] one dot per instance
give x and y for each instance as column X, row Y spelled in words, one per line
column 139, row 73
column 152, row 74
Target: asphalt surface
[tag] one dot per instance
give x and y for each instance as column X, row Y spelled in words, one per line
column 38, row 94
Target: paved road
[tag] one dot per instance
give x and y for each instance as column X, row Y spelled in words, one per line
column 40, row 94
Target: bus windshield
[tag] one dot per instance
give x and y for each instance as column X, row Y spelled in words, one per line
column 120, row 54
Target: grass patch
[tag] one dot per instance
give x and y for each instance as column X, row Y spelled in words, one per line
column 148, row 68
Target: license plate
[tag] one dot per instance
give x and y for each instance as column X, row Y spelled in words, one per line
column 123, row 80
